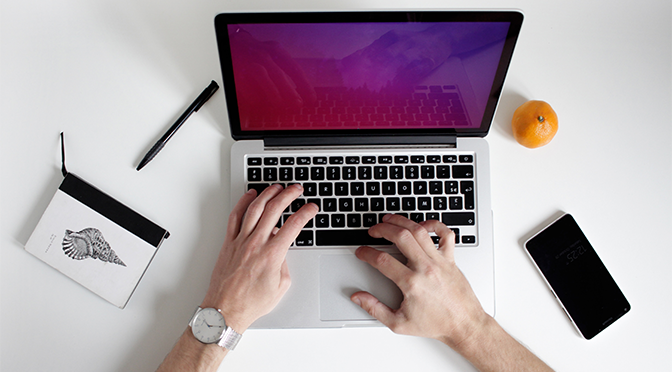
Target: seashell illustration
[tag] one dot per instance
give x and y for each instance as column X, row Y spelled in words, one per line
column 89, row 243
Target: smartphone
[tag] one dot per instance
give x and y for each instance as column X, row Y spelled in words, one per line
column 577, row 276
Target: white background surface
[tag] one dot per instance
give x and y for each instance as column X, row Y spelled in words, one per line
column 115, row 74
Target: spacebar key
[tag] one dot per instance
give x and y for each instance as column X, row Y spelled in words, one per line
column 347, row 237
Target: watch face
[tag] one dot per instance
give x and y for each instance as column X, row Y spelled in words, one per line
column 208, row 326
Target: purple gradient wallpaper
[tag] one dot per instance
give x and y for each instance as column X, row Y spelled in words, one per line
column 364, row 75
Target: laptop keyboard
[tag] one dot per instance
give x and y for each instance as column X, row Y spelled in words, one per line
column 354, row 192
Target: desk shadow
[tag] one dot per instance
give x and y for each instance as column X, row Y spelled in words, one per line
column 172, row 309
column 508, row 104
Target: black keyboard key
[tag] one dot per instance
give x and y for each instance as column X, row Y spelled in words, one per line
column 369, row 219
column 451, row 187
column 412, row 172
column 417, row 159
column 467, row 189
column 349, row 173
column 408, row 204
column 326, row 188
column 373, row 188
column 424, row 203
column 341, row 188
column 392, row 204
column 303, row 161
column 305, row 239
column 309, row 189
column 320, row 160
column 417, row 217
column 357, row 188
column 380, row 173
column 432, row 216
column 329, row 205
column 253, row 161
column 385, row 160
column 345, row 205
column 301, row 173
column 404, row 188
column 361, row 205
column 338, row 220
column 368, row 159
column 455, row 203
column 389, row 188
column 427, row 172
column 297, row 204
column 450, row 158
column 466, row 158
column 463, row 171
column 254, row 174
column 322, row 220
column 335, row 160
column 258, row 186
column 317, row 173
column 396, row 172
column 352, row 160
column 377, row 204
column 354, row 220
column 436, row 187
column 270, row 161
column 347, row 237
column 333, row 173
column 364, row 172
column 401, row 159
column 286, row 161
column 270, row 174
column 286, row 174
column 440, row 203
column 433, row 158
column 420, row 187
column 468, row 239
column 442, row 171
column 458, row 218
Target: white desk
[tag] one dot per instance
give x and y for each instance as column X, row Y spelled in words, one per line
column 115, row 74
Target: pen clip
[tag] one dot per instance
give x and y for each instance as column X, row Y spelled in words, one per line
column 63, row 169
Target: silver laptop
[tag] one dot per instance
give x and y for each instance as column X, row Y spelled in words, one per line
column 373, row 113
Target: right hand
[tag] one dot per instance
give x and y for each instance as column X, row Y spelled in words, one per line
column 438, row 300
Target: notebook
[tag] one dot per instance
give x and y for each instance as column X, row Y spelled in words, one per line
column 373, row 113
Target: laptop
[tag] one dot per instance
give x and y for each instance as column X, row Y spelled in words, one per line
column 373, row 113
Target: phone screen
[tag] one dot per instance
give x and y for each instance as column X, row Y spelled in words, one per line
column 577, row 276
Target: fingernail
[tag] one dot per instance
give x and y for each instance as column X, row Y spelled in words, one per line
column 357, row 301
column 298, row 186
column 387, row 217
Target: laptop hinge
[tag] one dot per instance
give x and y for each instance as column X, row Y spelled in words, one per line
column 443, row 141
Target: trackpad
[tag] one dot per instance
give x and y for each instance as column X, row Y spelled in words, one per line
column 341, row 275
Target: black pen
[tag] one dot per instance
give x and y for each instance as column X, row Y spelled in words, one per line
column 200, row 101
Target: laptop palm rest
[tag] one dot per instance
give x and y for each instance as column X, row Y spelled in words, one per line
column 341, row 275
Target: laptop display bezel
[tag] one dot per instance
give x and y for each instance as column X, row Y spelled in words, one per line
column 514, row 18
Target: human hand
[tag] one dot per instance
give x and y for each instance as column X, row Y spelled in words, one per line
column 438, row 300
column 268, row 79
column 251, row 274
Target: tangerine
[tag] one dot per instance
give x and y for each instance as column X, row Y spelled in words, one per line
column 534, row 124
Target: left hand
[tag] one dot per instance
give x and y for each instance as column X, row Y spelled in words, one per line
column 251, row 274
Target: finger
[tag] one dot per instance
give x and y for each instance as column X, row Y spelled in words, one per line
column 275, row 207
column 374, row 307
column 446, row 237
column 238, row 212
column 385, row 263
column 420, row 234
column 256, row 209
column 402, row 238
column 292, row 227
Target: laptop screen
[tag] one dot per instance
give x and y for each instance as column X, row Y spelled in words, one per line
column 363, row 73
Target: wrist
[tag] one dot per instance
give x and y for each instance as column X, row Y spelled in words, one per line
column 470, row 334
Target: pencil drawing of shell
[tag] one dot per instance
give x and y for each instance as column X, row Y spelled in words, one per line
column 89, row 243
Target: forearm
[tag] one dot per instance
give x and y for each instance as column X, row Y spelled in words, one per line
column 491, row 348
column 191, row 355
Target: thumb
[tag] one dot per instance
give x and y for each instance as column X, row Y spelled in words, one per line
column 374, row 307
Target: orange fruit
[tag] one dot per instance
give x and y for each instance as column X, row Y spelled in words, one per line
column 534, row 124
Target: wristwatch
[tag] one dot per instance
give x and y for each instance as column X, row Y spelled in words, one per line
column 209, row 327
